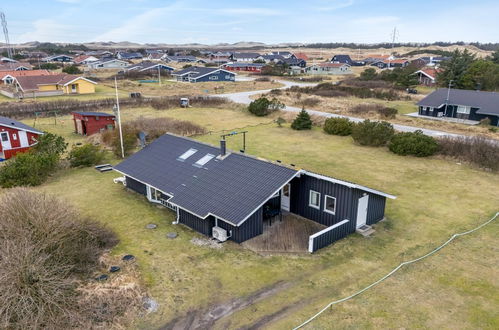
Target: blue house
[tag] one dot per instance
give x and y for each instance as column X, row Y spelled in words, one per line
column 201, row 74
column 129, row 56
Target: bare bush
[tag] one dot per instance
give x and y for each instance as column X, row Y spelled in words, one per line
column 476, row 150
column 310, row 102
column 265, row 79
column 164, row 103
column 155, row 127
column 47, row 251
column 354, row 82
column 365, row 108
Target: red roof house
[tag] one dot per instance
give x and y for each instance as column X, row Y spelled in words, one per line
column 16, row 137
column 88, row 123
column 427, row 76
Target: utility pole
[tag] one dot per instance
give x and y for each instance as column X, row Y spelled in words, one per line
column 448, row 96
column 118, row 115
column 159, row 74
column 10, row 52
column 394, row 35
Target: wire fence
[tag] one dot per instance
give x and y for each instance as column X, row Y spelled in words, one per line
column 395, row 270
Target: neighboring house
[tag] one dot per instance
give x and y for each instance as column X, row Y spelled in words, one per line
column 181, row 58
column 157, row 57
column 224, row 194
column 50, row 85
column 9, row 77
column 328, row 68
column 342, row 59
column 244, row 57
column 434, row 60
column 427, row 76
column 16, row 137
column 284, row 54
column 99, row 53
column 295, row 62
column 108, row 64
column 17, row 66
column 395, row 63
column 462, row 104
column 88, row 123
column 58, row 58
column 270, row 58
column 147, row 66
column 202, row 74
column 302, row 56
column 128, row 56
column 239, row 66
column 154, row 51
column 7, row 60
column 85, row 59
column 220, row 57
column 377, row 58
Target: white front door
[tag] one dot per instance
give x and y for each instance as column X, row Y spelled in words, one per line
column 4, row 139
column 23, row 138
column 286, row 197
column 362, row 211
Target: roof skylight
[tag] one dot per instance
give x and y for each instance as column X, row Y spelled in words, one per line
column 187, row 154
column 205, row 159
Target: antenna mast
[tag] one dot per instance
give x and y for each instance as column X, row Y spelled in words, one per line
column 10, row 51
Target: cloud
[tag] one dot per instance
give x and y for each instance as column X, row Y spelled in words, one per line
column 334, row 5
column 47, row 30
column 250, row 11
column 376, row 20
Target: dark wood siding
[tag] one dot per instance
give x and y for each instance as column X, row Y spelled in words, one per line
column 331, row 236
column 202, row 226
column 375, row 207
column 252, row 227
column 300, row 190
column 136, row 186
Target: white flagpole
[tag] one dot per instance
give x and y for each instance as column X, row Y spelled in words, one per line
column 119, row 118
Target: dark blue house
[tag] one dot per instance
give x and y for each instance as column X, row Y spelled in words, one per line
column 228, row 195
column 202, row 74
column 462, row 104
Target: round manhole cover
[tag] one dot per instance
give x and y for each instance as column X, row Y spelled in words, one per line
column 152, row 226
column 172, row 235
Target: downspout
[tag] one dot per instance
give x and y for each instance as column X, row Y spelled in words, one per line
column 178, row 217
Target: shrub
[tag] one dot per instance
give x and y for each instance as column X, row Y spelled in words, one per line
column 372, row 133
column 485, row 122
column 338, row 126
column 388, row 112
column 368, row 74
column 263, row 106
column 476, row 150
column 413, row 143
column 49, row 66
column 71, row 69
column 32, row 168
column 85, row 155
column 47, row 248
column 302, row 121
column 310, row 102
column 280, row 121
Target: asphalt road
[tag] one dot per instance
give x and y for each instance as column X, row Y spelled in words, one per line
column 244, row 98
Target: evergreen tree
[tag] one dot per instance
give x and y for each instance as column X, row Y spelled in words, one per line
column 494, row 57
column 483, row 75
column 455, row 69
column 302, row 121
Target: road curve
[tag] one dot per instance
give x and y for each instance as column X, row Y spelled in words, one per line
column 245, row 98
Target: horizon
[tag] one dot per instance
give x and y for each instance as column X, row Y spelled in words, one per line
column 318, row 21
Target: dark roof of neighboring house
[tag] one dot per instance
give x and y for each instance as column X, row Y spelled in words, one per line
column 130, row 55
column 342, row 59
column 94, row 114
column 147, row 65
column 197, row 71
column 244, row 65
column 232, row 188
column 175, row 58
column 487, row 102
column 4, row 121
column 272, row 57
column 282, row 53
column 15, row 66
column 293, row 61
column 245, row 55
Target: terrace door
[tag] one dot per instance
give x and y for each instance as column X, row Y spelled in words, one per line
column 362, row 211
column 5, row 141
column 23, row 138
column 286, row 197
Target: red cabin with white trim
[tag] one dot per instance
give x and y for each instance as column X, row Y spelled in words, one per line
column 88, row 123
column 16, row 137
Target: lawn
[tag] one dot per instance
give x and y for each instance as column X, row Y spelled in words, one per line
column 457, row 288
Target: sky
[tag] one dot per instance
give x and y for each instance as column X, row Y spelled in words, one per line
column 212, row 22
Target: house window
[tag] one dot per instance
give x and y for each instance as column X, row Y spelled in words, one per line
column 329, row 204
column 314, row 199
column 213, row 77
column 187, row 154
column 205, row 159
column 5, row 136
column 463, row 109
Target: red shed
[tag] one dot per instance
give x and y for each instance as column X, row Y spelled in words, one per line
column 15, row 137
column 88, row 123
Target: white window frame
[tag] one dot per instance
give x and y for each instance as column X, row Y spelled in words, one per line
column 467, row 109
column 187, row 154
column 318, row 199
column 325, row 204
column 2, row 134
